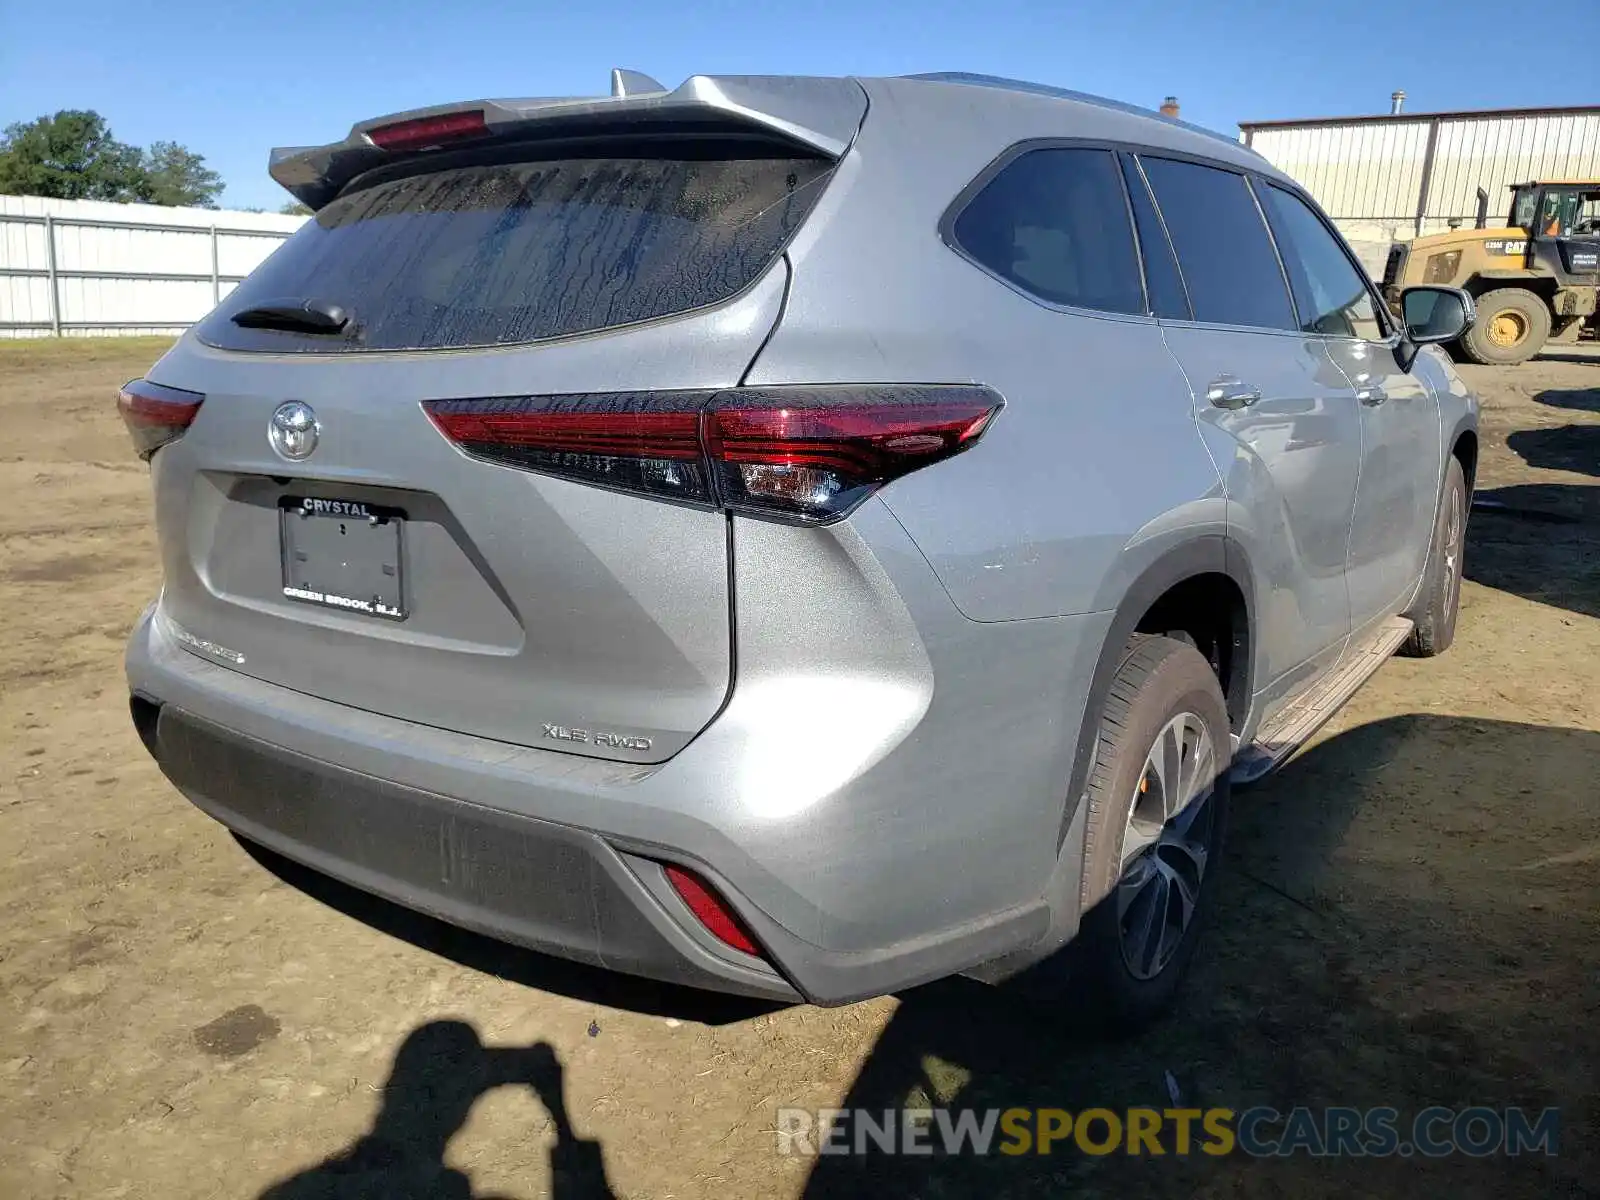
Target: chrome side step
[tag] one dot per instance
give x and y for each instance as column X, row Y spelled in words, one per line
column 1292, row 725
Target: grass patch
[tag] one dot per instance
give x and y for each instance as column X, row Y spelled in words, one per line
column 23, row 353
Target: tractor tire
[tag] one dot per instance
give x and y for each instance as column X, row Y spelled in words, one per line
column 1513, row 325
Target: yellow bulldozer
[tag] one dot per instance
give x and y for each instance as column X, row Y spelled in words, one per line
column 1535, row 281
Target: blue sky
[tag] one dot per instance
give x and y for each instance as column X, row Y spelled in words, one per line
column 233, row 80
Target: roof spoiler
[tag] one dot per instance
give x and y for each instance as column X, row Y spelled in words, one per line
column 820, row 114
column 633, row 83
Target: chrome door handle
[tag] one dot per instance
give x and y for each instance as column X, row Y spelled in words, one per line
column 1371, row 396
column 1230, row 392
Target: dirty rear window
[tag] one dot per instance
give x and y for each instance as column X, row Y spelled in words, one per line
column 498, row 253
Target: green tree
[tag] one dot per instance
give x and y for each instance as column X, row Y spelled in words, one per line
column 177, row 176
column 295, row 209
column 70, row 156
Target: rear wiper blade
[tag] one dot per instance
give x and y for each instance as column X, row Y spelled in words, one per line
column 294, row 315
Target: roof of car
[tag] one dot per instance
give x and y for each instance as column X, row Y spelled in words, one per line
column 817, row 111
column 1024, row 87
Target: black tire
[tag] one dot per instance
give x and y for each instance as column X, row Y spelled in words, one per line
column 1510, row 307
column 1161, row 680
column 1435, row 608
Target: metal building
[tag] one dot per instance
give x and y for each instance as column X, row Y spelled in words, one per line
column 1399, row 175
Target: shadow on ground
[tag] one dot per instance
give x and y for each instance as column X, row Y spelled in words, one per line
column 1303, row 993
column 439, row 1072
column 1540, row 541
column 1573, row 448
column 1587, row 355
column 1577, row 399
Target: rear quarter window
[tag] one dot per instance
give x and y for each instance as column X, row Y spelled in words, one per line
column 1054, row 222
column 490, row 253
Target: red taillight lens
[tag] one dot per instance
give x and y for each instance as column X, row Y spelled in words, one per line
column 805, row 454
column 816, row 453
column 422, row 132
column 630, row 441
column 155, row 414
column 710, row 909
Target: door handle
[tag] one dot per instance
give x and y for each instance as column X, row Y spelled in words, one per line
column 1371, row 396
column 1231, row 392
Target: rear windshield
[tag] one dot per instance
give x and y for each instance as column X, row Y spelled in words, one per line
column 497, row 253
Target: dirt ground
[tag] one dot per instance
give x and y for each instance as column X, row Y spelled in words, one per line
column 1410, row 916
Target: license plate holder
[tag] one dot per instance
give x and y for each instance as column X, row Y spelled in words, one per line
column 344, row 554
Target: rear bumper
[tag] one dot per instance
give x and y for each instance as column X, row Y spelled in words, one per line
column 549, row 887
column 562, row 853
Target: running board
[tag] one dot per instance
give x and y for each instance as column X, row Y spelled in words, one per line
column 1292, row 725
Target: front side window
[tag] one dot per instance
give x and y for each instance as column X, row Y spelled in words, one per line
column 1229, row 266
column 1054, row 222
column 1332, row 296
column 1567, row 211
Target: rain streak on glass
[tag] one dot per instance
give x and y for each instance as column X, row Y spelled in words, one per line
column 499, row 253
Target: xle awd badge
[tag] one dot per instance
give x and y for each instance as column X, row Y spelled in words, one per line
column 611, row 741
column 293, row 430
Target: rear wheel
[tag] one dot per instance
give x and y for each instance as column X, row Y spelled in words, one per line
column 1158, row 799
column 1437, row 604
column 1512, row 326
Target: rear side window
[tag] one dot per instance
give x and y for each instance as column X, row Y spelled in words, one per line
column 1228, row 262
column 1161, row 276
column 489, row 253
column 1331, row 294
column 1055, row 223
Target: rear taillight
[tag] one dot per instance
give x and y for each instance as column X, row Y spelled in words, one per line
column 155, row 414
column 806, row 454
column 421, row 133
column 710, row 909
column 631, row 441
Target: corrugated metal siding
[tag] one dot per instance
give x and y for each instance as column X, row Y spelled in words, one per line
column 1359, row 172
column 1369, row 176
column 121, row 256
column 1494, row 154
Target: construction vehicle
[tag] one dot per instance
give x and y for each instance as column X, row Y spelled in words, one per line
column 1535, row 281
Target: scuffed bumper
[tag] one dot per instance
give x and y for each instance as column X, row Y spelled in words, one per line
column 553, row 851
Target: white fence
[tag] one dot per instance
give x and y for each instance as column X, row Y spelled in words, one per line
column 89, row 268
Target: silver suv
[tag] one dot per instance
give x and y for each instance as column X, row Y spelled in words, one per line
column 801, row 537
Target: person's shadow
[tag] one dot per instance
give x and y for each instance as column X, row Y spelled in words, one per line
column 439, row 1072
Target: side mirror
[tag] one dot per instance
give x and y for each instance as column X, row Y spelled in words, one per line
column 1432, row 315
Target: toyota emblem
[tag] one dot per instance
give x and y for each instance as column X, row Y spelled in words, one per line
column 293, row 430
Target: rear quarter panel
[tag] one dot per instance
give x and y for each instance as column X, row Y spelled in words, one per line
column 1093, row 471
column 1095, row 467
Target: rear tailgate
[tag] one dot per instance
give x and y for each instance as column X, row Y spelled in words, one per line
column 524, row 608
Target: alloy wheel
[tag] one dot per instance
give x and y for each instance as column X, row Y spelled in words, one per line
column 1454, row 530
column 1166, row 845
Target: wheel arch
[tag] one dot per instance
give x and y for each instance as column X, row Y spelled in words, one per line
column 1480, row 284
column 1464, row 449
column 1210, row 560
